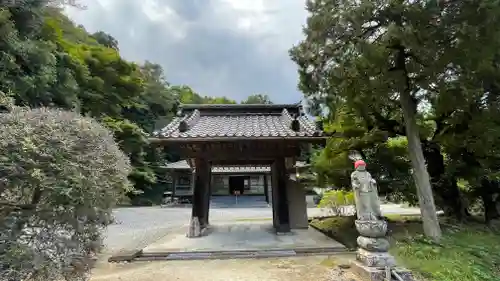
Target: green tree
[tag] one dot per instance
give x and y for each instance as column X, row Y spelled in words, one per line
column 48, row 61
column 409, row 69
column 61, row 175
column 106, row 40
column 257, row 99
column 186, row 95
column 358, row 52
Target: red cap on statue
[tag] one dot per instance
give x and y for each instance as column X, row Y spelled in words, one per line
column 359, row 163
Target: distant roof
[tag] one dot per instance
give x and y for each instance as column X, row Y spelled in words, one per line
column 301, row 164
column 240, row 169
column 237, row 121
column 183, row 165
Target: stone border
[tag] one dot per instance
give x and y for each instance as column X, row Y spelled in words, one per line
column 334, row 238
column 297, row 250
column 125, row 256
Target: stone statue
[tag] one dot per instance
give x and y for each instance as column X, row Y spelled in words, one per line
column 365, row 193
column 373, row 261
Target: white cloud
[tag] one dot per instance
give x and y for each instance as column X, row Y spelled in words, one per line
column 219, row 47
column 167, row 17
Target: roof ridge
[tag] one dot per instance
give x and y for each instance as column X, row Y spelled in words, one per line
column 193, row 118
column 172, row 126
column 285, row 115
column 308, row 124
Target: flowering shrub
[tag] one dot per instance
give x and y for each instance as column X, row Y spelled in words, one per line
column 60, row 176
column 338, row 201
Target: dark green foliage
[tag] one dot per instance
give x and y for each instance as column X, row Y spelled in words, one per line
column 49, row 61
column 348, row 66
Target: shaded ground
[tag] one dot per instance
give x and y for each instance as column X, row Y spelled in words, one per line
column 282, row 269
column 468, row 251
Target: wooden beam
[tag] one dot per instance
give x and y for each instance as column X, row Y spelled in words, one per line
column 242, row 150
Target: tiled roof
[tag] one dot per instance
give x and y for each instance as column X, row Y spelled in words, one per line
column 301, row 164
column 178, row 165
column 240, row 121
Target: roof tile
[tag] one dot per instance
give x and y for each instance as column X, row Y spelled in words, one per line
column 202, row 125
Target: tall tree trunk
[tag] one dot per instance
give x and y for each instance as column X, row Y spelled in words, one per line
column 490, row 206
column 420, row 175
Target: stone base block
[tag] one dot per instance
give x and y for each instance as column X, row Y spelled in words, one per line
column 373, row 244
column 375, row 259
column 194, row 228
column 379, row 274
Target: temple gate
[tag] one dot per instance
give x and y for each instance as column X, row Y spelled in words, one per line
column 238, row 135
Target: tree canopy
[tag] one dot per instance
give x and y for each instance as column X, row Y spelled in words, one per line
column 410, row 84
column 48, row 61
column 257, row 99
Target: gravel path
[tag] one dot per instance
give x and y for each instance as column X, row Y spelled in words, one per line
column 137, row 227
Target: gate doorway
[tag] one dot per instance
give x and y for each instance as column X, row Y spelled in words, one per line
column 237, row 183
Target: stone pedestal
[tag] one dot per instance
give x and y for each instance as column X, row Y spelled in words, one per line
column 373, row 261
column 373, row 245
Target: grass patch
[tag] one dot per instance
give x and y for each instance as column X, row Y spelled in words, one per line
column 329, row 262
column 341, row 229
column 467, row 252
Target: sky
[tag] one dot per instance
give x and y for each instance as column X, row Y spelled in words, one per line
column 231, row 48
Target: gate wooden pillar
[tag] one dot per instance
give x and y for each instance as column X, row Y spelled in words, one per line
column 201, row 191
column 281, row 217
column 207, row 196
column 266, row 188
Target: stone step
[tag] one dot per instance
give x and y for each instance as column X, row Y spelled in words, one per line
column 202, row 255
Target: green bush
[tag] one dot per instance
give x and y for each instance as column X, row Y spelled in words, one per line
column 60, row 176
column 6, row 102
column 337, row 201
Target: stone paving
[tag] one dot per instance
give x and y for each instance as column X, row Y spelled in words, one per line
column 243, row 236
